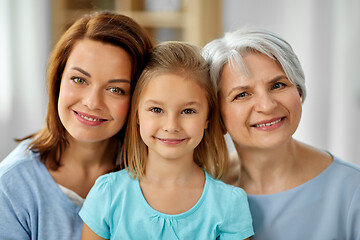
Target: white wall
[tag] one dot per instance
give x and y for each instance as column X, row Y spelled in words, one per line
column 325, row 34
column 24, row 47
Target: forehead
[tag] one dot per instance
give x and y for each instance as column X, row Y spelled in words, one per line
column 92, row 49
column 95, row 56
column 254, row 66
column 168, row 87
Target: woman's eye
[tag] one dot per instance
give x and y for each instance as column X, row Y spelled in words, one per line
column 241, row 95
column 188, row 111
column 117, row 90
column 78, row 80
column 156, row 110
column 278, row 85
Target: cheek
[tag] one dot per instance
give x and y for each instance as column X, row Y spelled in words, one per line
column 298, row 109
column 197, row 127
column 120, row 110
column 147, row 123
column 294, row 104
column 231, row 114
column 66, row 97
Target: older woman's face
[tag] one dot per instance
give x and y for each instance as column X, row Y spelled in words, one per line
column 261, row 110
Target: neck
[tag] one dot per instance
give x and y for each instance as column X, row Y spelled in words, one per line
column 171, row 171
column 82, row 163
column 87, row 155
column 267, row 170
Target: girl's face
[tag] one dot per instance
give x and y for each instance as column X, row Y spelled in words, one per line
column 94, row 93
column 172, row 116
column 261, row 110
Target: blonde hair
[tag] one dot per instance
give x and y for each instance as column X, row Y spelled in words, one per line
column 185, row 60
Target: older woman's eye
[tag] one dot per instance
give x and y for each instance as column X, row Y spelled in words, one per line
column 241, row 95
column 278, row 85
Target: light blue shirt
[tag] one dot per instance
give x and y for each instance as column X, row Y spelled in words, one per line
column 32, row 206
column 324, row 208
column 115, row 208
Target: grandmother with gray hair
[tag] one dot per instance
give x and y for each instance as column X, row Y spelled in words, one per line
column 295, row 190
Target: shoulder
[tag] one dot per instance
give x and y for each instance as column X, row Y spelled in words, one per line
column 344, row 174
column 19, row 160
column 346, row 166
column 346, row 171
column 233, row 207
column 226, row 191
column 114, row 182
column 120, row 176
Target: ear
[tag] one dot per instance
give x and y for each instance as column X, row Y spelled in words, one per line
column 206, row 124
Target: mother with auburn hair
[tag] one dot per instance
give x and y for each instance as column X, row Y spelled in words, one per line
column 295, row 191
column 91, row 74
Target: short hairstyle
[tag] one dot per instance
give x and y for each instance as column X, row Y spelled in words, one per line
column 233, row 46
column 184, row 60
column 106, row 27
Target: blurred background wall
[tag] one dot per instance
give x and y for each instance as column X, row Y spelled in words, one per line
column 325, row 34
column 24, row 49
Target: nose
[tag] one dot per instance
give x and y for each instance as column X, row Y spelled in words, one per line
column 265, row 103
column 93, row 99
column 171, row 123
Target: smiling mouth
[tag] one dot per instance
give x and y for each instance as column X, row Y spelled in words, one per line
column 268, row 124
column 171, row 141
column 91, row 119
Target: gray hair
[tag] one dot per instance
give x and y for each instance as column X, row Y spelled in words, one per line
column 233, row 46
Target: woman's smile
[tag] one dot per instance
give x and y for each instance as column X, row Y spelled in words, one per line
column 268, row 125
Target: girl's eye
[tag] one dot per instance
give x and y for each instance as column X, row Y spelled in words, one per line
column 278, row 85
column 188, row 111
column 156, row 110
column 117, row 90
column 78, row 80
column 241, row 95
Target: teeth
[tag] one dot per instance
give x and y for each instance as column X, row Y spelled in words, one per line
column 267, row 124
column 89, row 118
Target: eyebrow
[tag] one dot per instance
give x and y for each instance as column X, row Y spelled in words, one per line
column 110, row 81
column 82, row 71
column 274, row 80
column 151, row 101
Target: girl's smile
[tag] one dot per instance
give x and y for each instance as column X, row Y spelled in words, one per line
column 171, row 141
column 172, row 116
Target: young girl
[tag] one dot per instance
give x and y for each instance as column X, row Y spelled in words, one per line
column 174, row 151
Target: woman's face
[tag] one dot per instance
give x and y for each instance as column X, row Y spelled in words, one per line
column 261, row 110
column 94, row 93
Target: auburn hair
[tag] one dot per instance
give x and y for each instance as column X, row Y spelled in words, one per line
column 106, row 27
